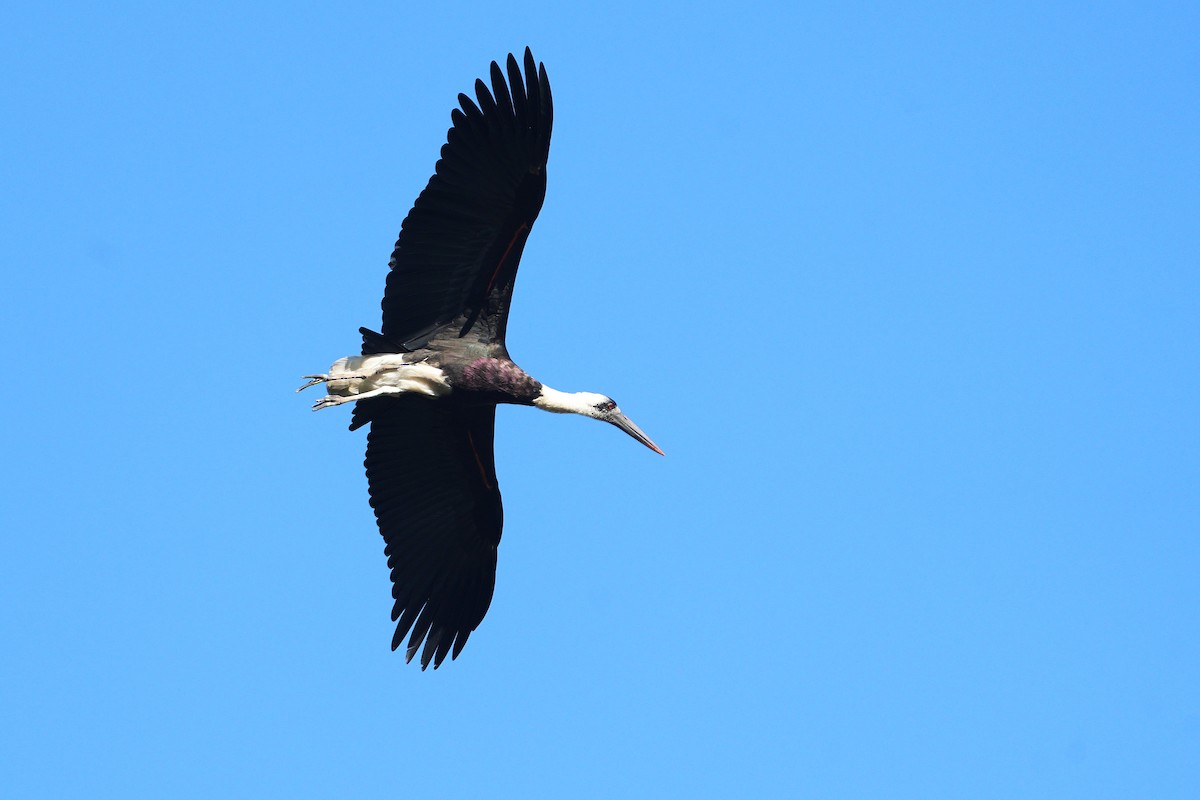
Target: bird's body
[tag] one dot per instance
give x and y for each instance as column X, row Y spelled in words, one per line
column 429, row 383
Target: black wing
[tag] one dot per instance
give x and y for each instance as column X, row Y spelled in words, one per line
column 457, row 255
column 432, row 479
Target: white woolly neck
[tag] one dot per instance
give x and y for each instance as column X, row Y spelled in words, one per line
column 568, row 402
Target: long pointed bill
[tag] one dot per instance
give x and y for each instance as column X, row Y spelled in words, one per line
column 624, row 423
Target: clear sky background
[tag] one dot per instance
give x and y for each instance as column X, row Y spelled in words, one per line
column 909, row 294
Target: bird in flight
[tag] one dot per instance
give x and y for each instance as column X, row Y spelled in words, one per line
column 429, row 382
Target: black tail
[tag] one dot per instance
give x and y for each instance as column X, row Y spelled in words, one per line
column 375, row 343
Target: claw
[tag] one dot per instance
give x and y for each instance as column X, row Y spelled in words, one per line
column 327, row 401
column 314, row 380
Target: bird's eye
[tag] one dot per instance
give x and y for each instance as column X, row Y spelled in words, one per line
column 606, row 406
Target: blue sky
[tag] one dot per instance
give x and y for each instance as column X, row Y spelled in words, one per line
column 909, row 294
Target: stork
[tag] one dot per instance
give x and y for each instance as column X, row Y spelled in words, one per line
column 428, row 384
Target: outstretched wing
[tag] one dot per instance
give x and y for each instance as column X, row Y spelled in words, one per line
column 457, row 255
column 432, row 479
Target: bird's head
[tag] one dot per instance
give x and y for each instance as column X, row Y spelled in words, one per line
column 596, row 406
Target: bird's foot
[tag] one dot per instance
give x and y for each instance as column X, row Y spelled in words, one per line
column 313, row 380
column 330, row 400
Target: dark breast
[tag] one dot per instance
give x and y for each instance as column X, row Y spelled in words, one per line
column 498, row 380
